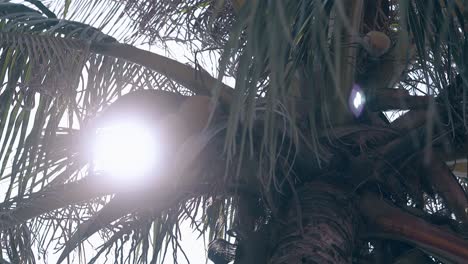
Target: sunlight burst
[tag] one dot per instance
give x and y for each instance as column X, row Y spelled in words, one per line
column 125, row 151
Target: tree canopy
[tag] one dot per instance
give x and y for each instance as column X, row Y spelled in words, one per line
column 332, row 146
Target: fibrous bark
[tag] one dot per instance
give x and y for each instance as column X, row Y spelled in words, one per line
column 328, row 223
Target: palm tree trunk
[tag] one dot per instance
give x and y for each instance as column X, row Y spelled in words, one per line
column 327, row 231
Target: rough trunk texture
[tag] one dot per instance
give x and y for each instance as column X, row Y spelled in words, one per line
column 329, row 224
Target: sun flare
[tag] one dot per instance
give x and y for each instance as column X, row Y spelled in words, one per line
column 125, row 151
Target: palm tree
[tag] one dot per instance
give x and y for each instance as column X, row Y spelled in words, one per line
column 331, row 148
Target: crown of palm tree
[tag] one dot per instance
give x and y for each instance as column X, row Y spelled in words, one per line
column 286, row 122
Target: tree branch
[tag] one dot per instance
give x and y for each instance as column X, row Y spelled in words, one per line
column 410, row 120
column 54, row 198
column 413, row 256
column 90, row 187
column 439, row 175
column 444, row 182
column 392, row 222
column 385, row 99
column 198, row 81
column 158, row 199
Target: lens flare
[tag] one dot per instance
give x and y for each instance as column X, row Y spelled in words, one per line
column 357, row 100
column 126, row 151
